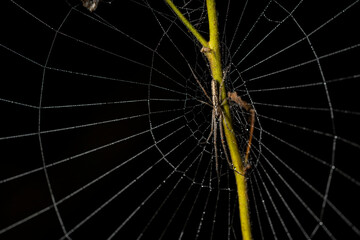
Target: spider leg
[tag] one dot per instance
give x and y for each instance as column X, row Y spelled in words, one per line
column 222, row 139
column 225, row 71
column 197, row 80
column 223, row 143
column 206, row 103
column 242, row 104
column 215, row 147
column 252, row 122
column 212, row 126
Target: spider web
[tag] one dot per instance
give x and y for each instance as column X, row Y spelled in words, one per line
column 103, row 126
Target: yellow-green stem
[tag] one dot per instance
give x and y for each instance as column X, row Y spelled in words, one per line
column 187, row 23
column 212, row 52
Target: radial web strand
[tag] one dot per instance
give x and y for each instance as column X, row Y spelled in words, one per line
column 104, row 129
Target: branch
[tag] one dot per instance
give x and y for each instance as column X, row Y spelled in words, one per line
column 211, row 50
column 189, row 26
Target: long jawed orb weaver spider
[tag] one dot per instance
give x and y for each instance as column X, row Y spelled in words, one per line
column 217, row 117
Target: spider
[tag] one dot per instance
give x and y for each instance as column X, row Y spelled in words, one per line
column 92, row 5
column 218, row 117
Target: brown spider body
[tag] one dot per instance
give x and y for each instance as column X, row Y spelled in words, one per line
column 215, row 98
column 217, row 118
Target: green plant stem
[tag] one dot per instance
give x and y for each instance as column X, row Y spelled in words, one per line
column 189, row 26
column 211, row 50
